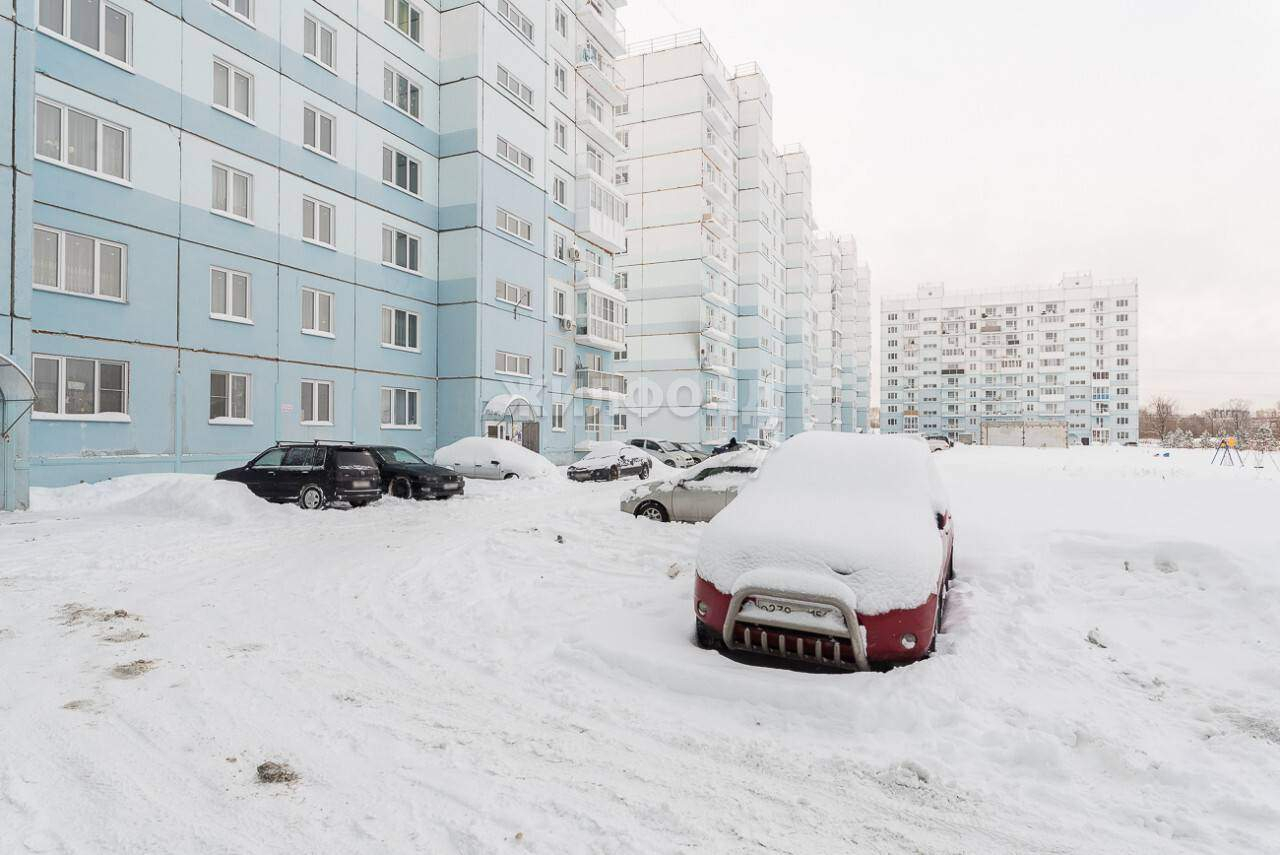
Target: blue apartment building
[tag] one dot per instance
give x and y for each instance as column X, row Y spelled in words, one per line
column 231, row 222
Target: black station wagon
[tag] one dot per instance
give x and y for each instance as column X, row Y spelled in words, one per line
column 312, row 474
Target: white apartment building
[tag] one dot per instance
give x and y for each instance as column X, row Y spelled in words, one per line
column 951, row 361
column 718, row 269
column 855, row 328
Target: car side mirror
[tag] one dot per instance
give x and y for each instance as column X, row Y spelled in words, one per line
column 942, row 521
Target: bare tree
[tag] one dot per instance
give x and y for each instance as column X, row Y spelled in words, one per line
column 1164, row 415
column 1237, row 416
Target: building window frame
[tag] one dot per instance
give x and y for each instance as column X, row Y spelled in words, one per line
column 101, row 49
column 512, row 294
column 233, row 7
column 516, row 87
column 227, row 287
column 395, row 417
column 98, row 414
column 314, row 30
column 393, row 85
column 312, row 299
column 314, row 221
column 228, row 177
column 315, row 401
column 405, row 18
column 517, row 227
column 515, row 364
column 517, row 19
column 231, row 106
column 391, row 245
column 229, row 416
column 397, row 335
column 62, row 240
column 391, row 172
column 557, row 416
column 516, row 156
column 313, row 122
column 65, row 153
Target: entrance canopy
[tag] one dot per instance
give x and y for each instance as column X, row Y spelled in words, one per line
column 17, row 393
column 514, row 407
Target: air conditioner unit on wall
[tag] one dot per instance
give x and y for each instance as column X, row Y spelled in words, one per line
column 567, row 324
column 575, row 254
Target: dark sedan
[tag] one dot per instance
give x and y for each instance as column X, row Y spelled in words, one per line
column 405, row 475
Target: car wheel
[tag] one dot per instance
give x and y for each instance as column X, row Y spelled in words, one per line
column 644, row 473
column 312, row 498
column 511, row 476
column 706, row 637
column 652, row 511
column 614, row 473
column 937, row 618
column 400, row 488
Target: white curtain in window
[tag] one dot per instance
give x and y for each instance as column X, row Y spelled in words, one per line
column 239, row 396
column 82, row 140
column 51, row 15
column 79, row 392
column 219, row 189
column 48, row 131
column 84, row 22
column 79, row 273
column 110, row 271
column 326, row 313
column 113, row 152
column 240, row 195
column 217, row 292
column 239, row 295
column 45, row 250
column 115, row 28
column 221, row 87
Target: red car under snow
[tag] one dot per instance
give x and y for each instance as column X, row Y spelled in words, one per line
column 839, row 553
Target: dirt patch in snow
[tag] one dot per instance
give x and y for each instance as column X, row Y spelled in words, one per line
column 79, row 704
column 124, row 635
column 272, row 772
column 136, row 668
column 73, row 614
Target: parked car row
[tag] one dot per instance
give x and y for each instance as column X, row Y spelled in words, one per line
column 316, row 474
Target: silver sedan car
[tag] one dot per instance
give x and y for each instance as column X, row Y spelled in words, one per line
column 697, row 494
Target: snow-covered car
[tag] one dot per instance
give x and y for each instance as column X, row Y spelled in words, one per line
column 609, row 461
column 939, row 442
column 766, row 444
column 697, row 494
column 313, row 474
column 693, row 451
column 666, row 452
column 493, row 459
column 839, row 554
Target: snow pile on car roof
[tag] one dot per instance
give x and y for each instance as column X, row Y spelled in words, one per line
column 601, row 454
column 159, row 496
column 513, row 457
column 856, row 508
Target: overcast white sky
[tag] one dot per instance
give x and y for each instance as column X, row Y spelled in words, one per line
column 995, row 144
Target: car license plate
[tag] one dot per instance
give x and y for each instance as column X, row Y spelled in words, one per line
column 451, row 485
column 790, row 607
column 360, row 485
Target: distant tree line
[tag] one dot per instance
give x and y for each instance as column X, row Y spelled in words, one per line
column 1162, row 420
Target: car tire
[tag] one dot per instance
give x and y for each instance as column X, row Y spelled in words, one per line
column 706, row 637
column 938, row 618
column 312, row 498
column 653, row 511
column 511, row 476
column 614, row 473
column 644, row 472
column 400, row 489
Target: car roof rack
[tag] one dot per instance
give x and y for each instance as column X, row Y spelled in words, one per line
column 315, row 442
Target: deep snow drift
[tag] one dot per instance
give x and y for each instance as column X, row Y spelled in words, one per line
column 513, row 671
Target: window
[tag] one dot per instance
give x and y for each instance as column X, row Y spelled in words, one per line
column 317, row 312
column 624, row 108
column 101, row 28
column 318, row 42
column 557, row 360
column 560, row 247
column 561, row 77
column 559, row 191
column 592, row 416
column 75, row 388
column 622, row 175
column 317, row 130
column 232, row 192
column 400, row 170
column 229, row 295
column 317, row 222
column 77, row 264
column 81, row 141
column 561, row 136
column 516, row 18
column 620, row 280
column 511, row 363
column 513, row 225
column 317, row 402
column 232, row 90
column 562, row 22
column 619, row 422
column 405, row 17
column 402, row 93
column 557, row 416
column 515, row 156
column 242, row 9
column 515, row 86
column 399, row 408
column 400, row 250
column 514, row 294
column 399, row 329
column 228, row 398
column 560, row 303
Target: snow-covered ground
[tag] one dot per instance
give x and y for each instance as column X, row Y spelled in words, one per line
column 513, row 671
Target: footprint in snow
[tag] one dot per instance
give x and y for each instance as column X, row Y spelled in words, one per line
column 136, row 668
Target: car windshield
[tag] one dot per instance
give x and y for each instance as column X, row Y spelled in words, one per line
column 349, row 459
column 686, row 446
column 399, row 455
column 667, row 446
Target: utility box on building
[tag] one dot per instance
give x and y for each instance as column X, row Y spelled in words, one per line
column 1025, row 434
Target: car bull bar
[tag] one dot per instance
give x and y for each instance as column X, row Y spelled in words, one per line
column 777, row 636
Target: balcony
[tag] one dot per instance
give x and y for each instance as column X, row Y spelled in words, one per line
column 718, row 333
column 600, row 309
column 716, row 365
column 721, row 293
column 600, row 385
column 595, row 127
column 599, row 19
column 718, row 188
column 719, row 117
column 713, row 144
column 601, row 211
column 721, row 258
column 717, row 221
column 599, row 72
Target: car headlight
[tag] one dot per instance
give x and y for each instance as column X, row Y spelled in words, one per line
column 908, row 641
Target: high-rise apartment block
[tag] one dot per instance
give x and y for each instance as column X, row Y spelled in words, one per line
column 724, row 299
column 239, row 221
column 951, row 361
